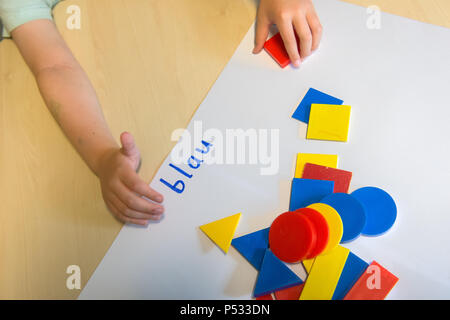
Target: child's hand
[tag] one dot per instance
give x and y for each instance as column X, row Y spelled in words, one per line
column 289, row 15
column 122, row 188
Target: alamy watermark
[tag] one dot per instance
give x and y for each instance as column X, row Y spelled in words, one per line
column 374, row 17
column 231, row 146
column 374, row 280
column 73, row 281
column 74, row 20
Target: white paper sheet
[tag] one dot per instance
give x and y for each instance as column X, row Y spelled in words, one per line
column 397, row 80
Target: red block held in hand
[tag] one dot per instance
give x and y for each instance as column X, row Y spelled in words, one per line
column 275, row 48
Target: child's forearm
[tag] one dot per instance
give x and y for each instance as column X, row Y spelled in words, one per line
column 71, row 99
column 66, row 90
column 73, row 103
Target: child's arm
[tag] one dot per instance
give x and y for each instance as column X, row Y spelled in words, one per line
column 73, row 103
column 289, row 15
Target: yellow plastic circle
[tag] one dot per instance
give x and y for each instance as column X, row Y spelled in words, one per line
column 335, row 226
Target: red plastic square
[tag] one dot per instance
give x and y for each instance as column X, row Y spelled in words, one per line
column 340, row 177
column 375, row 284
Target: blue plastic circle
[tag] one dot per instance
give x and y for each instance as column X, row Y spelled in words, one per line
column 351, row 212
column 380, row 208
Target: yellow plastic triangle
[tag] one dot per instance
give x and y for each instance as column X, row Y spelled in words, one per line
column 221, row 232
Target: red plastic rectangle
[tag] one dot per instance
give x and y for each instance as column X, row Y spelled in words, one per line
column 340, row 177
column 275, row 48
column 374, row 284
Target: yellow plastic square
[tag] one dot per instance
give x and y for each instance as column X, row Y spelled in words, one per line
column 329, row 122
column 327, row 160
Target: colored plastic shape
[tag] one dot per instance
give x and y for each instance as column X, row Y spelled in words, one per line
column 275, row 48
column 291, row 237
column 329, row 122
column 274, row 275
column 265, row 297
column 292, row 293
column 324, row 275
column 328, row 160
column 335, row 226
column 307, row 191
column 313, row 96
column 321, row 227
column 253, row 246
column 221, row 232
column 375, row 284
column 340, row 177
column 307, row 264
column 380, row 208
column 351, row 212
column 353, row 269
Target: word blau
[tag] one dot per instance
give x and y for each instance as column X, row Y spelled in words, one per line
column 193, row 162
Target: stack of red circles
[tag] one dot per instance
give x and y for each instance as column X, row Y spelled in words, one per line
column 298, row 235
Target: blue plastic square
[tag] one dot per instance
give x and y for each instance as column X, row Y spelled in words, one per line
column 308, row 191
column 313, row 96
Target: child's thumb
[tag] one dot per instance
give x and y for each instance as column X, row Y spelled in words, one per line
column 128, row 146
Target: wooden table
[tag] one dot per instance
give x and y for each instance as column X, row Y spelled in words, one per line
column 152, row 63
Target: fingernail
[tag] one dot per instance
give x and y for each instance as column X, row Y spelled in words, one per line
column 158, row 211
column 159, row 198
column 296, row 63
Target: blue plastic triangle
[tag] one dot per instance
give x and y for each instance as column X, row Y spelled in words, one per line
column 253, row 246
column 274, row 275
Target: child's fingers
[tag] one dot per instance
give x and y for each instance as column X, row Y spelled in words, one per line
column 134, row 202
column 262, row 31
column 130, row 213
column 124, row 218
column 136, row 184
column 304, row 34
column 316, row 29
column 287, row 34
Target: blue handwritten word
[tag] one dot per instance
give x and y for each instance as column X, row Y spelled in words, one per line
column 193, row 163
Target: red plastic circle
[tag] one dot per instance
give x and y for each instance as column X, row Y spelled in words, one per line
column 291, row 237
column 321, row 227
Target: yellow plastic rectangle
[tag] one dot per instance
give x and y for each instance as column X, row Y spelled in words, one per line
column 307, row 264
column 324, row 275
column 327, row 160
